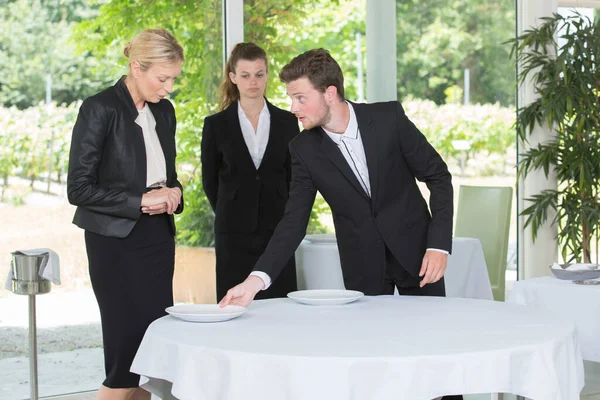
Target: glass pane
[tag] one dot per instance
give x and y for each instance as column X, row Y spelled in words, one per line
column 456, row 82
column 34, row 209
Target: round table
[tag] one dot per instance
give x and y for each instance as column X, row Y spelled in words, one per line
column 378, row 347
column 579, row 303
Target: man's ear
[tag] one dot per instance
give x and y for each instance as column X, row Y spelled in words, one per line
column 331, row 93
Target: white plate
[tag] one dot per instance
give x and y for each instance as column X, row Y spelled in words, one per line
column 205, row 312
column 325, row 297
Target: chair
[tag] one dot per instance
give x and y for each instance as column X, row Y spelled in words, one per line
column 484, row 213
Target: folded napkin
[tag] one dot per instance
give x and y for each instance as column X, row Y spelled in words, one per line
column 576, row 267
column 50, row 268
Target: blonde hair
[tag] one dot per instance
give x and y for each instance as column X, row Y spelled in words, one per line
column 228, row 91
column 154, row 46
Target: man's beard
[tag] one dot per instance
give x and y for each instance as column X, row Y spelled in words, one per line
column 325, row 119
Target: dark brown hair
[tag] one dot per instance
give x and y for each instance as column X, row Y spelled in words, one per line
column 318, row 67
column 228, row 91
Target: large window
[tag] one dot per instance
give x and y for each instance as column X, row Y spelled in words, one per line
column 457, row 83
column 86, row 44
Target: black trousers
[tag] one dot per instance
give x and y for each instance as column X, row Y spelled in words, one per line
column 397, row 276
column 237, row 253
column 132, row 279
column 408, row 285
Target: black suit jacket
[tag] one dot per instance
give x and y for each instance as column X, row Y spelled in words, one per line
column 236, row 190
column 107, row 161
column 395, row 216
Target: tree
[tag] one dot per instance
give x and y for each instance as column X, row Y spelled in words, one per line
column 34, row 46
column 439, row 39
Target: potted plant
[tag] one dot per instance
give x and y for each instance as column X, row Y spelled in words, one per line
column 561, row 58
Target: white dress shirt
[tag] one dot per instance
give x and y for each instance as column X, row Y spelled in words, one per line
column 256, row 141
column 351, row 145
column 156, row 167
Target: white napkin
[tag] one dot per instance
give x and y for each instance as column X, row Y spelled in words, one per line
column 575, row 267
column 50, row 268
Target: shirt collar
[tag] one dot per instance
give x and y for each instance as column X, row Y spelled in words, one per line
column 351, row 131
column 263, row 112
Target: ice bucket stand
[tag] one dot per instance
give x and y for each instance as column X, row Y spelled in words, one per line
column 27, row 281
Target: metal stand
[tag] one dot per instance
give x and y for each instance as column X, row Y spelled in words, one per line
column 33, row 370
column 27, row 281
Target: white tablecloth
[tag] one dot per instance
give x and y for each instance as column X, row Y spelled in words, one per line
column 318, row 267
column 580, row 303
column 384, row 347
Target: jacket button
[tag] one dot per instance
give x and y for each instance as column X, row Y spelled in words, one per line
column 379, row 241
column 257, row 177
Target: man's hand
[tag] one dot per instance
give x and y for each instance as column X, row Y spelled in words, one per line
column 433, row 267
column 243, row 294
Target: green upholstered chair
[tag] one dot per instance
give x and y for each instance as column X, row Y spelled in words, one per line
column 484, row 213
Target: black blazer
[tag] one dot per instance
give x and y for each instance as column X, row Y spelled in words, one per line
column 107, row 161
column 236, row 190
column 395, row 216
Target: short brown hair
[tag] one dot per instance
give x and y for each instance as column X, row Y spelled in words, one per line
column 228, row 91
column 318, row 67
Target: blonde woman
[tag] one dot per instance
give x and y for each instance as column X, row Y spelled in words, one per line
column 246, row 170
column 123, row 181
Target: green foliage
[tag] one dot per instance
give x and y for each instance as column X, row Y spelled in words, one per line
column 314, row 223
column 197, row 231
column 488, row 128
column 438, row 39
column 560, row 58
column 26, row 138
column 34, row 45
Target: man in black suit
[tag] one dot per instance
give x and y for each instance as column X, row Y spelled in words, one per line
column 363, row 159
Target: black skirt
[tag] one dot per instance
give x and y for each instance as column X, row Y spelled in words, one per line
column 132, row 279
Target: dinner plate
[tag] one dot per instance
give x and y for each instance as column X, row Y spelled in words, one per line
column 325, row 297
column 205, row 312
column 587, row 271
column 587, row 282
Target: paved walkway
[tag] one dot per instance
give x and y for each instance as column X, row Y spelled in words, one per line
column 69, row 344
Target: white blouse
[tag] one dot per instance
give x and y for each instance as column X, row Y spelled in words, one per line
column 256, row 141
column 156, row 168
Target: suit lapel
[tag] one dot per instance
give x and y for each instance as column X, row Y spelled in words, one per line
column 138, row 138
column 334, row 154
column 369, row 139
column 234, row 129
